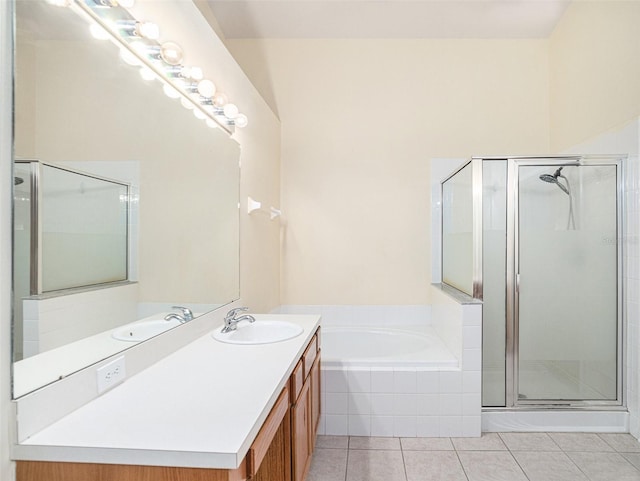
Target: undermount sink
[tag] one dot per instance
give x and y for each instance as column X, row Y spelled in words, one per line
column 259, row 332
column 141, row 331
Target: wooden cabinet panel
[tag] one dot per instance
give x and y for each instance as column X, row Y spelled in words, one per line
column 297, row 380
column 310, row 355
column 315, row 400
column 276, row 464
column 300, row 443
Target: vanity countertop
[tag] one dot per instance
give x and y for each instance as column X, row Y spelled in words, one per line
column 200, row 407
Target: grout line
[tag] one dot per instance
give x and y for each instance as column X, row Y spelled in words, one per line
column 346, row 468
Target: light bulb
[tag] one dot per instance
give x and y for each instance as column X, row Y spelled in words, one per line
column 126, row 3
column 147, row 73
column 199, row 114
column 186, row 103
column 230, row 111
column 148, row 30
column 98, row 32
column 171, row 53
column 211, row 124
column 220, row 99
column 241, row 121
column 206, row 88
column 59, row 3
column 129, row 58
column 170, row 92
column 196, row 73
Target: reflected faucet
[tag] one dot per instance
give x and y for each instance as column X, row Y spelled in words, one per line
column 186, row 316
column 231, row 321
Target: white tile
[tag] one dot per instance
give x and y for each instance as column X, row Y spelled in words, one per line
column 450, row 404
column 471, row 404
column 336, row 425
column 451, row 426
column 471, row 381
column 336, row 403
column 471, row 426
column 359, row 425
column 472, row 315
column 405, row 426
column 360, row 403
column 472, row 360
column 472, row 337
column 428, row 404
column 450, row 382
column 428, row 381
column 359, row 380
column 382, row 404
column 335, row 380
column 404, row 404
column 404, row 381
column 30, row 330
column 382, row 381
column 428, row 426
column 321, row 425
column 381, row 425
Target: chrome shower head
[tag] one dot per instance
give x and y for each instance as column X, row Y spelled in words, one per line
column 553, row 179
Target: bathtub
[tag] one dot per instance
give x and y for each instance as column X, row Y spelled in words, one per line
column 384, row 347
column 405, row 382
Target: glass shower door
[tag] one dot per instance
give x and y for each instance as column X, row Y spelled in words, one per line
column 567, row 299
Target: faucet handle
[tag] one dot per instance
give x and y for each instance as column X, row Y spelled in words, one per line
column 186, row 312
column 233, row 312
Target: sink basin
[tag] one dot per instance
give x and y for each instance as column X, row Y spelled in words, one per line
column 259, row 332
column 141, row 331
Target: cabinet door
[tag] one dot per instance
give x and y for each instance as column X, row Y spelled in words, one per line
column 300, row 444
column 315, row 399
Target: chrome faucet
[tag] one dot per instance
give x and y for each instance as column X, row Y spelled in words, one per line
column 231, row 321
column 186, row 316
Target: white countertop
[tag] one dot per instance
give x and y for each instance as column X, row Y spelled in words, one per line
column 202, row 406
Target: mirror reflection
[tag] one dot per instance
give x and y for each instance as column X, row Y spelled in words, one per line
column 125, row 204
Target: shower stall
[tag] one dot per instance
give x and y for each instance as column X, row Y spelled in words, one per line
column 538, row 240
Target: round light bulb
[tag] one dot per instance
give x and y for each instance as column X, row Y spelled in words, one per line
column 220, row 99
column 129, row 58
column 126, row 3
column 148, row 30
column 186, row 103
column 199, row 114
column 211, row 124
column 98, row 32
column 196, row 73
column 241, row 121
column 231, row 111
column 147, row 73
column 171, row 53
column 170, row 92
column 206, row 88
column 59, row 3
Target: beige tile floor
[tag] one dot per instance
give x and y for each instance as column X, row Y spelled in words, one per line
column 492, row 457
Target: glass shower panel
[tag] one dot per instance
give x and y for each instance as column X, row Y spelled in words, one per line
column 22, row 197
column 84, row 229
column 567, row 319
column 494, row 246
column 457, row 230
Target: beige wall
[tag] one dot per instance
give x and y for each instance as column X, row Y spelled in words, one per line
column 594, row 71
column 361, row 120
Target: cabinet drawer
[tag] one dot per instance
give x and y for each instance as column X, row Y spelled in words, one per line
column 310, row 355
column 259, row 448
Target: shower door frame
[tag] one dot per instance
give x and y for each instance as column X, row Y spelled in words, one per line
column 512, row 284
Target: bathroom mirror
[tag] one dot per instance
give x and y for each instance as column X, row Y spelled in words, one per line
column 84, row 112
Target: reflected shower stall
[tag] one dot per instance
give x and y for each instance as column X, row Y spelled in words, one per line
column 537, row 239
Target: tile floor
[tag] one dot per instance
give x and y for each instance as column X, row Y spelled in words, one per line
column 492, row 457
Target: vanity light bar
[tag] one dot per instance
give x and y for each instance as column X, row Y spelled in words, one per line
column 140, row 47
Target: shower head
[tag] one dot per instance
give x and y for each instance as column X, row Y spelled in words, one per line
column 553, row 179
column 18, row 180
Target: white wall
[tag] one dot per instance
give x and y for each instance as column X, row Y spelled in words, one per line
column 361, row 120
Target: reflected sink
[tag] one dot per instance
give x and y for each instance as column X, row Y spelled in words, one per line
column 141, row 331
column 259, row 332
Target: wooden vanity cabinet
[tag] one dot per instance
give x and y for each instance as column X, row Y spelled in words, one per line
column 305, row 410
column 281, row 451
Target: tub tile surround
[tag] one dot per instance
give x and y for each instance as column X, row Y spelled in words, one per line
column 405, row 401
